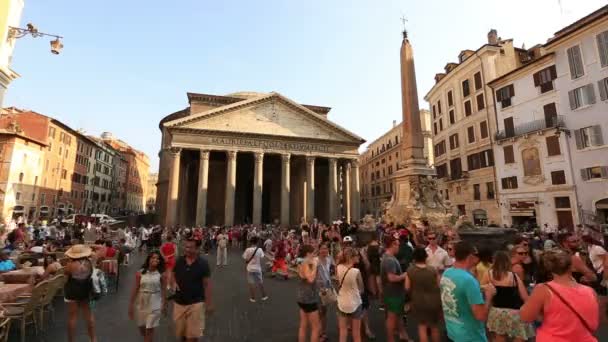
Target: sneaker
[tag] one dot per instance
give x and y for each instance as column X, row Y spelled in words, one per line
column 381, row 308
column 252, row 300
column 265, row 298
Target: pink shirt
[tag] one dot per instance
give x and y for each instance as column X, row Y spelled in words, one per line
column 560, row 324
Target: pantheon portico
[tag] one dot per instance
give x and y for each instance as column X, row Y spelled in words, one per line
column 255, row 158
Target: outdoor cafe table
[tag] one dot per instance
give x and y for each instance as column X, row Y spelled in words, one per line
column 22, row 276
column 10, row 292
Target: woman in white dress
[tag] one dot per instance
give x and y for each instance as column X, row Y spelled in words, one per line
column 148, row 296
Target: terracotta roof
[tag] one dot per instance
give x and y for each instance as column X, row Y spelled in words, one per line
column 577, row 25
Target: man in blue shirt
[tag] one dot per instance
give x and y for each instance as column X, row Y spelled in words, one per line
column 464, row 308
column 6, row 264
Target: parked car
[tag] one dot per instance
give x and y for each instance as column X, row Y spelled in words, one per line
column 104, row 219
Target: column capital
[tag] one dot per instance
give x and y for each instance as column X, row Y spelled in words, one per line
column 310, row 159
column 285, row 157
column 333, row 161
column 175, row 150
column 231, row 154
column 204, row 154
column 354, row 162
column 258, row 156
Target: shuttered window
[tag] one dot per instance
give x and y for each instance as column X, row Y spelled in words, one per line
column 440, row 124
column 480, row 102
column 588, row 137
column 466, row 90
column 558, row 177
column 509, row 156
column 467, row 108
column 471, row 134
column 476, row 192
column 562, row 202
column 504, row 95
column 477, row 81
column 454, row 143
column 550, row 115
column 544, row 78
column 581, row 96
column 553, row 146
column 603, row 86
column 602, row 47
column 596, row 172
column 509, row 182
column 575, row 60
column 483, row 129
column 450, row 99
column 490, row 190
column 509, row 127
column 439, row 107
column 442, row 170
column 452, row 117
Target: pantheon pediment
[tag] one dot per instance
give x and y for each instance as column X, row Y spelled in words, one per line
column 266, row 114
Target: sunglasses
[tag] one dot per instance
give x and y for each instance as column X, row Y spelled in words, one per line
column 430, row 238
column 522, row 253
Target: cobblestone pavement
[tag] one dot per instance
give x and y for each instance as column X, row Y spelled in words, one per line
column 235, row 318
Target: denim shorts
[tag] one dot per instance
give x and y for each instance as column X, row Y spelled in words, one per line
column 254, row 277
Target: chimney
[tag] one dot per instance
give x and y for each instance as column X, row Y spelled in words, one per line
column 394, row 123
column 493, row 37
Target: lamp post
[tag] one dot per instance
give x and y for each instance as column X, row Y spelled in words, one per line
column 17, row 32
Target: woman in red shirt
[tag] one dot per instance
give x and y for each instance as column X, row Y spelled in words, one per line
column 168, row 251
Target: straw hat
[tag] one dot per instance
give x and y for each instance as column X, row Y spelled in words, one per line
column 78, row 251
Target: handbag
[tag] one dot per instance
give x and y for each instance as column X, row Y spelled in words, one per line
column 585, row 324
column 329, row 295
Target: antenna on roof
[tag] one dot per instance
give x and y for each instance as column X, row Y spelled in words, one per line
column 403, row 21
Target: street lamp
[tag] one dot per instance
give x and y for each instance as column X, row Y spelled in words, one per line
column 17, row 32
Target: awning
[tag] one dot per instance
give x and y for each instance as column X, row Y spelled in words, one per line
column 522, row 213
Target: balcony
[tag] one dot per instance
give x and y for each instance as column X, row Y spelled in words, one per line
column 530, row 127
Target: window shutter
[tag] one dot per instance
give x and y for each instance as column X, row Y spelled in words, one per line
column 511, row 90
column 553, row 72
column 536, row 77
column 572, row 98
column 499, row 95
column 584, row 174
column 571, row 62
column 590, row 93
column 604, row 171
column 596, row 137
column 578, row 139
column 603, row 85
column 602, row 46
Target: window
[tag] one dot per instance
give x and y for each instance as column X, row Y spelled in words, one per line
column 439, row 148
column 477, row 81
column 454, row 143
column 21, row 175
column 465, row 88
column 509, row 182
column 473, row 161
column 544, row 79
column 452, row 117
column 483, row 129
column 461, row 209
column 450, row 99
column 435, row 128
column 64, row 174
column 602, row 47
column 447, row 194
column 442, row 170
column 480, row 160
column 504, row 95
column 17, row 196
column 42, row 198
column 595, row 172
column 467, row 108
column 490, row 190
column 509, row 127
column 588, row 137
column 603, row 86
column 36, row 180
column 553, row 146
column 471, row 134
column 440, row 124
column 480, row 103
column 581, row 96
column 550, row 115
column 439, row 107
column 456, row 168
column 558, row 177
column 52, row 132
column 562, row 202
column 434, row 110
column 476, row 192
column 575, row 60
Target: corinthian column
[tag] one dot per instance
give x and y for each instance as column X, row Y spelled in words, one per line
column 347, row 192
column 173, row 188
column 310, row 189
column 203, row 180
column 355, row 191
column 333, row 189
column 285, row 189
column 230, row 187
column 258, row 179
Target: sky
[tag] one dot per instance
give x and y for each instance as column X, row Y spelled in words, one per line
column 127, row 64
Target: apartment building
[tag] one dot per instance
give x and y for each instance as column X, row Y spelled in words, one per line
column 103, row 176
column 463, row 117
column 151, row 193
column 119, row 191
column 535, row 175
column 581, row 59
column 381, row 159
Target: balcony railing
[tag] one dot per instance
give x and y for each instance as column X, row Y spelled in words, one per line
column 532, row 126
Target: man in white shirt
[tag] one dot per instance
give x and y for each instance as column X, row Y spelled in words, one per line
column 597, row 255
column 253, row 260
column 222, row 248
column 145, row 236
column 438, row 257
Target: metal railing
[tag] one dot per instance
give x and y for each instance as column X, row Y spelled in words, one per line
column 532, row 126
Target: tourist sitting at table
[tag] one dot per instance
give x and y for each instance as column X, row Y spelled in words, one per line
column 6, row 264
column 51, row 266
column 110, row 250
column 38, row 247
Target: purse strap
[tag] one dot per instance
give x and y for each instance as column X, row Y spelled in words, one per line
column 570, row 307
column 252, row 255
column 343, row 277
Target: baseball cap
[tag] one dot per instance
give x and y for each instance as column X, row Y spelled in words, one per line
column 347, row 239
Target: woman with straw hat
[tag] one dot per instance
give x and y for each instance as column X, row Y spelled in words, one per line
column 78, row 289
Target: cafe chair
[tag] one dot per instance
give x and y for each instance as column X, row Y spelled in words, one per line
column 5, row 327
column 46, row 304
column 25, row 312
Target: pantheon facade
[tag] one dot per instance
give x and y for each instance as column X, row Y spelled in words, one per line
column 255, row 158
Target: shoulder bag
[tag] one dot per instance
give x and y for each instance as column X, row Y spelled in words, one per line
column 252, row 256
column 329, row 295
column 585, row 324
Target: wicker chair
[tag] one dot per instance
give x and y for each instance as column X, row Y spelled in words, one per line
column 5, row 327
column 46, row 303
column 25, row 312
